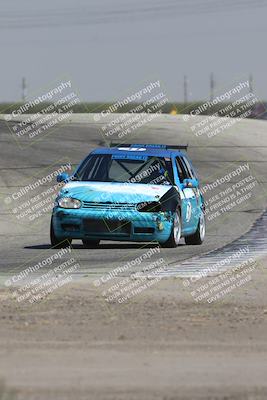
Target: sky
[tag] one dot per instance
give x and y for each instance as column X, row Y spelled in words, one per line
column 109, row 48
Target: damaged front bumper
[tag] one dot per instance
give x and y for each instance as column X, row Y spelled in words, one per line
column 114, row 225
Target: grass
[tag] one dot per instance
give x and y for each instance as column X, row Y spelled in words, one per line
column 168, row 108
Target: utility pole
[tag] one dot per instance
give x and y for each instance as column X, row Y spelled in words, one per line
column 250, row 83
column 24, row 88
column 185, row 89
column 212, row 85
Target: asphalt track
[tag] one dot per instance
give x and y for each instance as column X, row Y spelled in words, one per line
column 25, row 161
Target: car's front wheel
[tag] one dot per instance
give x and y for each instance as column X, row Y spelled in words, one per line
column 56, row 241
column 175, row 235
column 90, row 244
column 199, row 236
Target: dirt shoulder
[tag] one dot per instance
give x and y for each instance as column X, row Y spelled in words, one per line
column 161, row 345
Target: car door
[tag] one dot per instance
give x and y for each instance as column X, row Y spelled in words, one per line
column 189, row 196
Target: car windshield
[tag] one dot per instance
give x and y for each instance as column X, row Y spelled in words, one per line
column 124, row 168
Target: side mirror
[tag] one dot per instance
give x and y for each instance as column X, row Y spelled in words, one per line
column 189, row 183
column 64, row 177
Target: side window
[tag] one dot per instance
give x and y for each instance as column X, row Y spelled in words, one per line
column 189, row 168
column 181, row 169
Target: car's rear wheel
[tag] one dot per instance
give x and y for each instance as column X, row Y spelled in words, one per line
column 58, row 242
column 90, row 244
column 199, row 236
column 175, row 235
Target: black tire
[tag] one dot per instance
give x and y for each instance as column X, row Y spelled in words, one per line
column 198, row 237
column 58, row 243
column 175, row 235
column 90, row 244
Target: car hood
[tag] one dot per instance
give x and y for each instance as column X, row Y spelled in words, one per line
column 114, row 192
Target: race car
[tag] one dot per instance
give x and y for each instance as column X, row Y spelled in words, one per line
column 130, row 192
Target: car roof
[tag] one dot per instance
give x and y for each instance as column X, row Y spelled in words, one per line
column 148, row 150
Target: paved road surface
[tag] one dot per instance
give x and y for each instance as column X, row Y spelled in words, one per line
column 23, row 162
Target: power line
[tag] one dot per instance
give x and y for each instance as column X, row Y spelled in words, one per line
column 89, row 15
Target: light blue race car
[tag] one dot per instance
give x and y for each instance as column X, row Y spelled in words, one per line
column 130, row 192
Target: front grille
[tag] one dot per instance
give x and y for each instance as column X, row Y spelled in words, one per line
column 144, row 230
column 109, row 206
column 104, row 226
column 70, row 227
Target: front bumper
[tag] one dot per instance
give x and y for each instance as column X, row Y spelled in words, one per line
column 114, row 225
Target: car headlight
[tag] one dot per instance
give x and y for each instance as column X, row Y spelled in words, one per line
column 149, row 206
column 69, row 202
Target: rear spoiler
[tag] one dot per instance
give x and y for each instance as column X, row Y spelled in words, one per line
column 151, row 146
